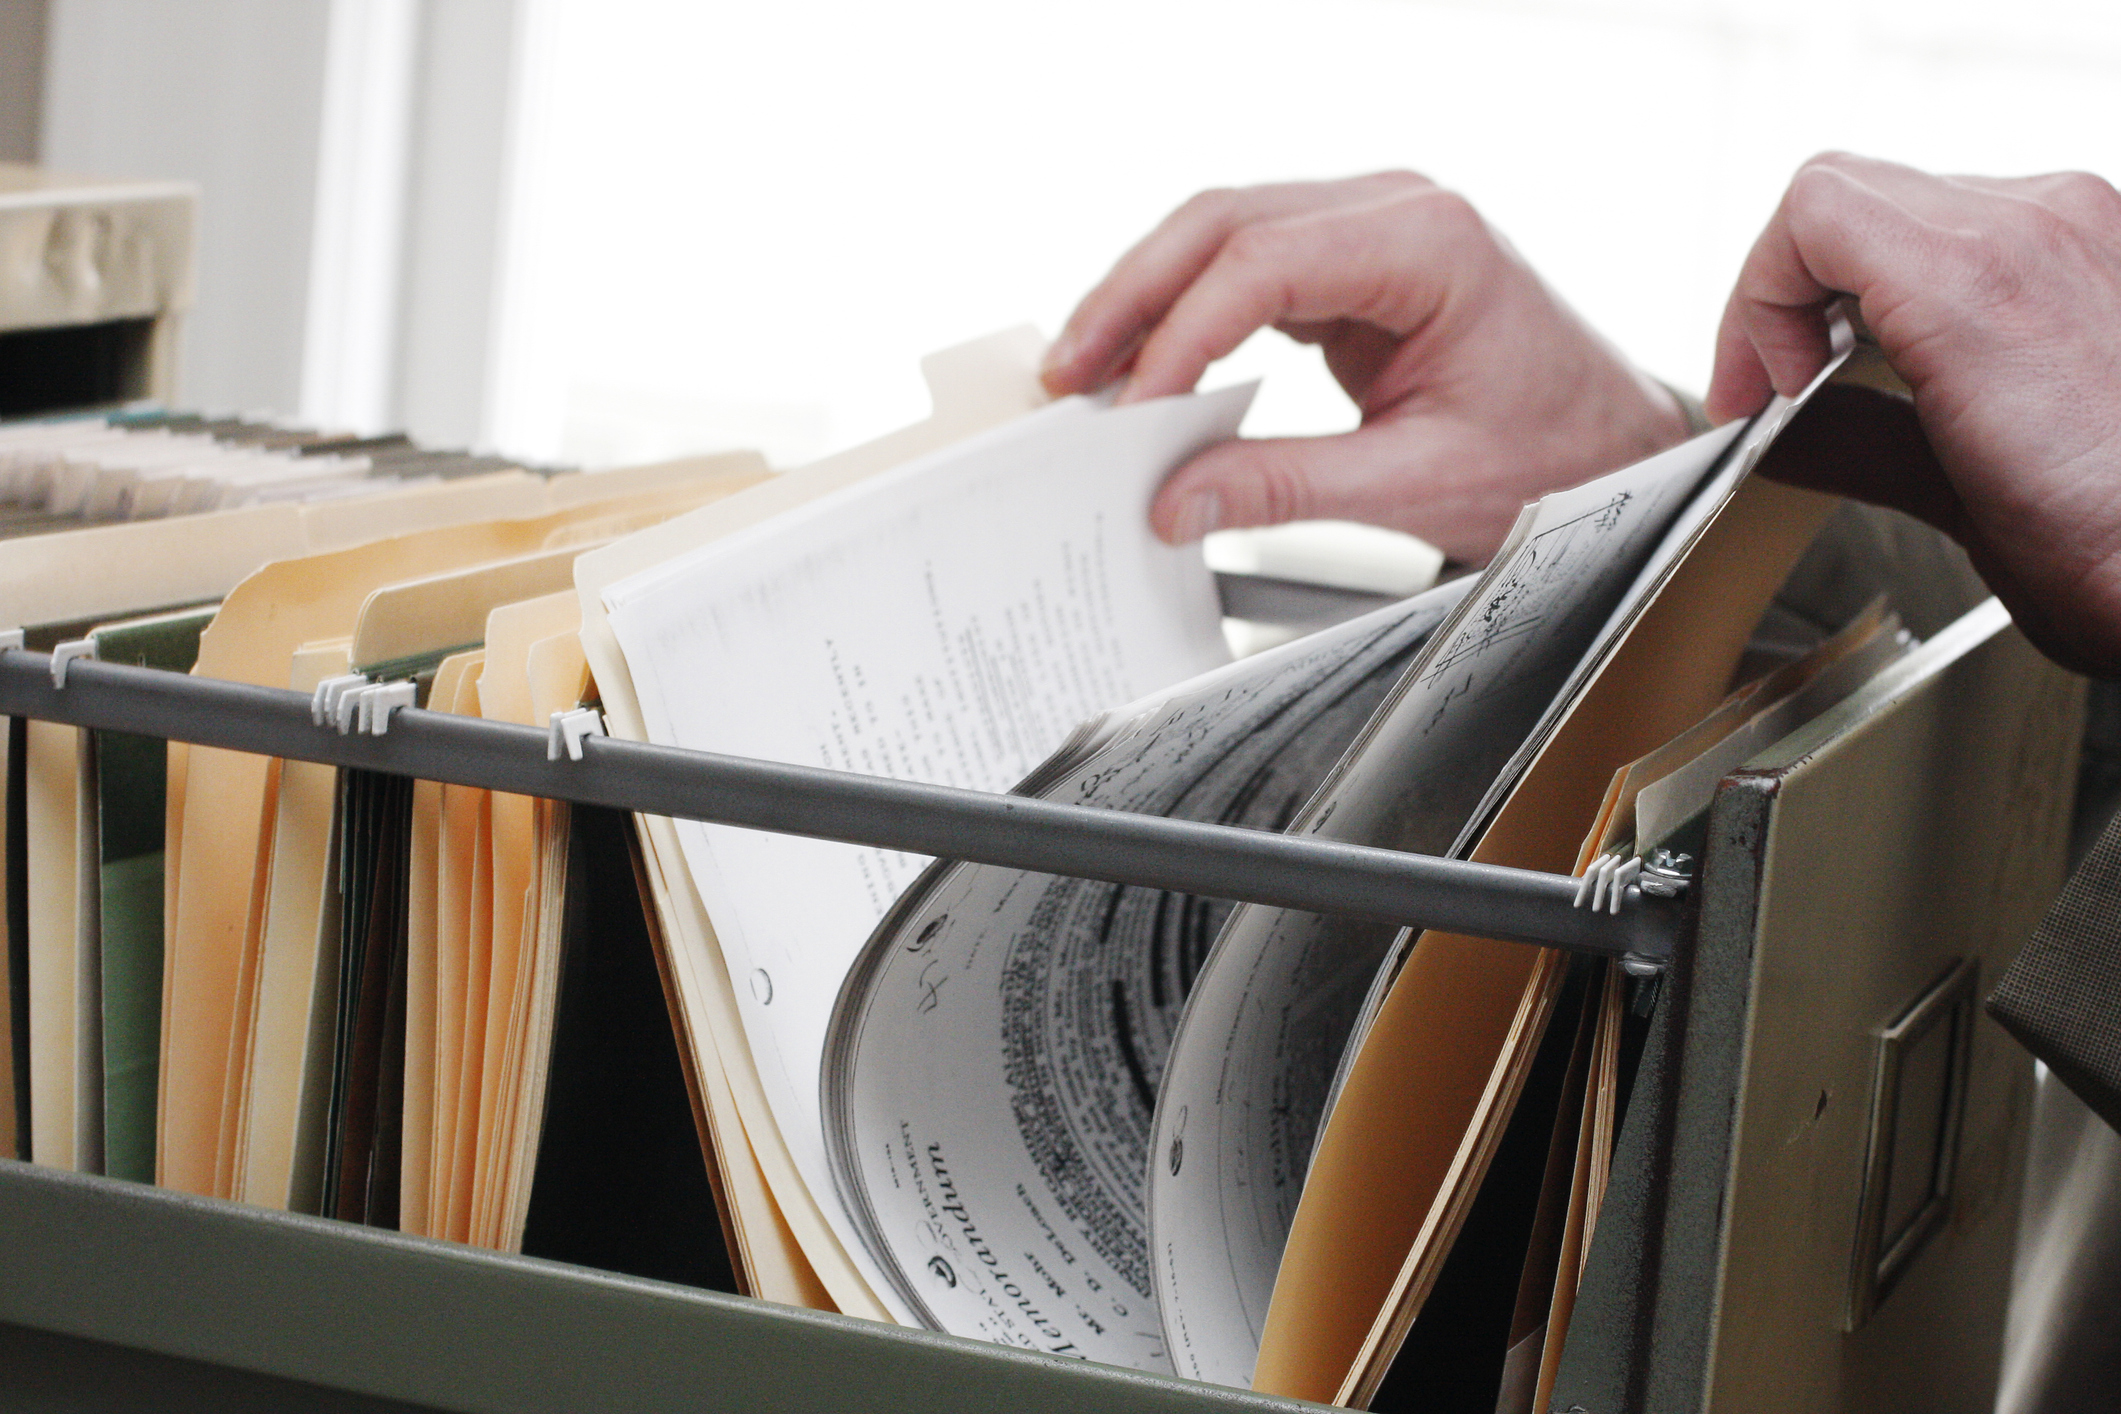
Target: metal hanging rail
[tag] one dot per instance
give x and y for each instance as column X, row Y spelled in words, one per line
column 1215, row 861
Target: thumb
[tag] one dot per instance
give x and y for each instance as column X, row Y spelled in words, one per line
column 1741, row 384
column 1256, row 481
column 1396, row 473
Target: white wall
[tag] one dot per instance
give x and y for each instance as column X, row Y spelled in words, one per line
column 225, row 93
column 756, row 216
column 21, row 78
column 352, row 156
column 457, row 186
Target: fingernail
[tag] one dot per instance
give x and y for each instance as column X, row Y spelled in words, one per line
column 1199, row 514
column 1059, row 353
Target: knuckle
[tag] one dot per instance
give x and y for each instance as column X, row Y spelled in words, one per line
column 2089, row 194
column 2042, row 227
column 1448, row 216
column 1450, row 208
column 1285, row 489
column 1261, row 243
column 1820, row 179
column 1986, row 265
column 1829, row 170
column 1400, row 179
column 1826, row 182
column 1211, row 204
column 1831, row 159
column 1454, row 224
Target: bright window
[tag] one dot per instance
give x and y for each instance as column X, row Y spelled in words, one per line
column 739, row 225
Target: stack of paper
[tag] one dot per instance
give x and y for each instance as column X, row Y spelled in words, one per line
column 212, row 948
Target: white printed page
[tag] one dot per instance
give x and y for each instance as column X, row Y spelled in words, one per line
column 994, row 1063
column 1253, row 1067
column 948, row 621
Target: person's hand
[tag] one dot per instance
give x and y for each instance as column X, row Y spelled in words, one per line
column 1998, row 301
column 1479, row 389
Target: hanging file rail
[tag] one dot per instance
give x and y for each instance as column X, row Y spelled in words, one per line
column 1214, row 861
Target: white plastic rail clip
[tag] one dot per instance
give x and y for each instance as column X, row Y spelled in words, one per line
column 1605, row 883
column 324, row 702
column 10, row 638
column 375, row 704
column 568, row 729
column 66, row 653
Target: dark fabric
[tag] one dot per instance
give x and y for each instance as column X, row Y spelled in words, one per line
column 2062, row 997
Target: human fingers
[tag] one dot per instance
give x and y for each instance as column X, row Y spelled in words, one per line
column 1111, row 322
column 1396, row 264
column 1918, row 250
column 1818, row 244
column 1893, row 236
column 1992, row 299
column 1422, row 475
column 1760, row 336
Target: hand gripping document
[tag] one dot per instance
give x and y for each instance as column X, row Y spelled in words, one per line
column 1389, row 1142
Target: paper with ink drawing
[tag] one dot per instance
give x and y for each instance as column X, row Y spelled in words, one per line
column 1252, row 1068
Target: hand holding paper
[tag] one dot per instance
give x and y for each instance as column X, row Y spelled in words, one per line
column 1997, row 301
column 1479, row 389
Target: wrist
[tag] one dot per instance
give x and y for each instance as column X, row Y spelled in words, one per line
column 1686, row 406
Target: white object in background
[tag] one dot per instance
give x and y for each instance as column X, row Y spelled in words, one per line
column 349, row 356
column 1341, row 553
